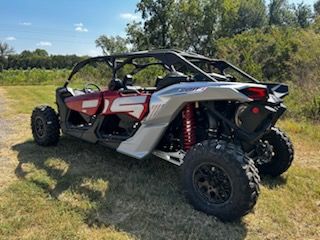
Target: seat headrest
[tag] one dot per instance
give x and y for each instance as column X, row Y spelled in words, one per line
column 128, row 80
column 115, row 84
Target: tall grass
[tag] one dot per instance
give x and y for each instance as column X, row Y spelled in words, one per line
column 33, row 77
column 303, row 101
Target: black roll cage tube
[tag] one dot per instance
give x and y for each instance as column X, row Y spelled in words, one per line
column 167, row 59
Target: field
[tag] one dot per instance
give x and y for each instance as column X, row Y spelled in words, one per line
column 80, row 191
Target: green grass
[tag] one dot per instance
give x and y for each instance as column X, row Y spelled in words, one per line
column 33, row 77
column 80, row 191
column 25, row 98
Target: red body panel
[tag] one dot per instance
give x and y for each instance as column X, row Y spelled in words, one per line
column 107, row 102
column 87, row 103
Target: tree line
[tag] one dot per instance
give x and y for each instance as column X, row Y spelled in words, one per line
column 38, row 58
column 196, row 25
column 219, row 28
column 274, row 41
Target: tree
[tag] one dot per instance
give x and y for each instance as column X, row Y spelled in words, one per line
column 111, row 45
column 303, row 15
column 251, row 14
column 26, row 53
column 157, row 16
column 137, row 37
column 280, row 13
column 40, row 52
column 195, row 25
column 316, row 7
column 5, row 51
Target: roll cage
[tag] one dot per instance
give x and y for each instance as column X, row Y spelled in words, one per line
column 166, row 58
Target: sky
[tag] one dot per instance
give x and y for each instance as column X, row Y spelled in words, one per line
column 66, row 26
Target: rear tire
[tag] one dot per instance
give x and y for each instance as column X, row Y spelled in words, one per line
column 45, row 126
column 283, row 153
column 229, row 185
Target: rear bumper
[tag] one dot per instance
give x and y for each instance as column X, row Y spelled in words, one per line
column 272, row 115
column 252, row 126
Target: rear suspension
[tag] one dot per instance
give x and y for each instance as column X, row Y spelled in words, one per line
column 189, row 126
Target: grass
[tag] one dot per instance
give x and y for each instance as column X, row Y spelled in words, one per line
column 33, row 76
column 29, row 96
column 80, row 191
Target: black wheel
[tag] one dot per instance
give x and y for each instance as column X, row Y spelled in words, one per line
column 282, row 153
column 45, row 126
column 220, row 180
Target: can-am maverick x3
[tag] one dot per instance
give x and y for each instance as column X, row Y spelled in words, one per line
column 205, row 115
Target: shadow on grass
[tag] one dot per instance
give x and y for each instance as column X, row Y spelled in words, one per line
column 272, row 182
column 140, row 197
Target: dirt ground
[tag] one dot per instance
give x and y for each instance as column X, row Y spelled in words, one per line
column 10, row 133
column 5, row 130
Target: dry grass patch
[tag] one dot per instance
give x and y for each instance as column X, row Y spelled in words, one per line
column 306, row 139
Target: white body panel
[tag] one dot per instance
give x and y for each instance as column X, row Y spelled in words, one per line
column 168, row 102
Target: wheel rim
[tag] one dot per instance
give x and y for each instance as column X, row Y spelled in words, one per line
column 265, row 152
column 212, row 183
column 40, row 127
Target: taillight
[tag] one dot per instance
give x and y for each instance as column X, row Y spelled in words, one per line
column 256, row 93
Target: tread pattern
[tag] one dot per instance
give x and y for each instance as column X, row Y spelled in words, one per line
column 52, row 126
column 241, row 169
column 284, row 153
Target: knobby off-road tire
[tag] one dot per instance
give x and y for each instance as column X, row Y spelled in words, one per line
column 45, row 126
column 233, row 178
column 283, row 153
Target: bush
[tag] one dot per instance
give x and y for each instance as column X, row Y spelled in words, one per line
column 287, row 55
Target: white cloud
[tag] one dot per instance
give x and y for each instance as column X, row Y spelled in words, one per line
column 11, row 38
column 129, row 16
column 26, row 23
column 79, row 27
column 44, row 44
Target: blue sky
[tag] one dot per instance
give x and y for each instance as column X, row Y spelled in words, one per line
column 65, row 26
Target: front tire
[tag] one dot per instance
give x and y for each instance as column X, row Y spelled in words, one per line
column 220, row 180
column 45, row 126
column 283, row 153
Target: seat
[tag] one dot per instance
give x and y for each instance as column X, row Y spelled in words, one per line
column 115, row 84
column 170, row 79
column 128, row 80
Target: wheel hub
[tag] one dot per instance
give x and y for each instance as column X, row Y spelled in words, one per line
column 212, row 183
column 265, row 153
column 40, row 127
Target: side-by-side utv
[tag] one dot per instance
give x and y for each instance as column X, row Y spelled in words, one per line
column 214, row 121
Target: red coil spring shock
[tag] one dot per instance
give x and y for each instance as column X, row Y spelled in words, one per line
column 189, row 128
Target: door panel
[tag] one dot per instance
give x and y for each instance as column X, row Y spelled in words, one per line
column 135, row 105
column 88, row 104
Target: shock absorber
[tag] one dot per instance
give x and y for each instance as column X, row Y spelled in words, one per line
column 189, row 127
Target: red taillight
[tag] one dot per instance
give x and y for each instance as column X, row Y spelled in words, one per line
column 256, row 93
column 255, row 110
